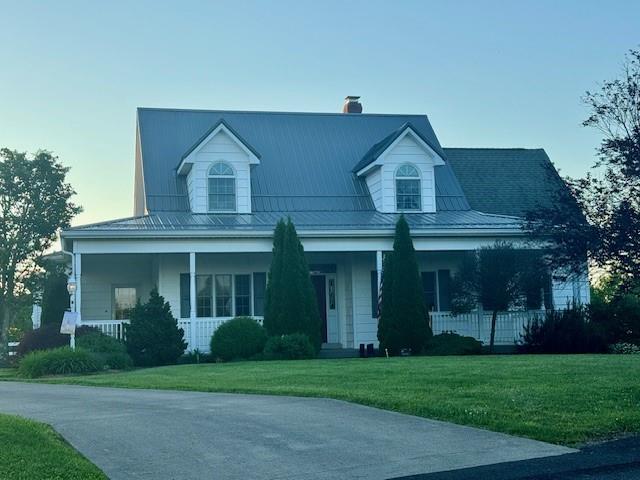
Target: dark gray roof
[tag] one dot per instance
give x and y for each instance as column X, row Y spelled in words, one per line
column 376, row 150
column 266, row 221
column 306, row 158
column 507, row 181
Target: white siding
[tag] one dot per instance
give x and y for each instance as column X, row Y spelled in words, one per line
column 568, row 289
column 374, row 182
column 101, row 273
column 381, row 180
column 219, row 148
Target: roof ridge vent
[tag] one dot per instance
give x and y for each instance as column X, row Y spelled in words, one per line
column 351, row 104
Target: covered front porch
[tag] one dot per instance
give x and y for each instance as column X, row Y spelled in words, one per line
column 206, row 289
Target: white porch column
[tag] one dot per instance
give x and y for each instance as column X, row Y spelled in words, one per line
column 77, row 273
column 192, row 301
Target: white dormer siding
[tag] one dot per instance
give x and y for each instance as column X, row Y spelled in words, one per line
column 381, row 174
column 220, row 146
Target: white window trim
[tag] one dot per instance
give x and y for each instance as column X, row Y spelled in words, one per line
column 235, row 186
column 395, row 188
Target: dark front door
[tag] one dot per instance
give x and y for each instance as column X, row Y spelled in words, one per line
column 320, row 286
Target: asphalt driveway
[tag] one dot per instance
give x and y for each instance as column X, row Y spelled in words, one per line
column 182, row 435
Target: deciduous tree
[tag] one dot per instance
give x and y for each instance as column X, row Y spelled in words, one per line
column 34, row 205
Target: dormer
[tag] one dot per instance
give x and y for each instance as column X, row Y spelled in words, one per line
column 218, row 171
column 399, row 171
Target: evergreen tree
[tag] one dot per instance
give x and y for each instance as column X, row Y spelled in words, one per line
column 153, row 336
column 275, row 291
column 291, row 302
column 404, row 321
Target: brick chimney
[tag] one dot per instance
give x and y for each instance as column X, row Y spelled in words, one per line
column 352, row 105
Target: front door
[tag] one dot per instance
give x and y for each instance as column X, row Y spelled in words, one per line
column 320, row 286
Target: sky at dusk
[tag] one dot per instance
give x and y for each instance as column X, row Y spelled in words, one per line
column 488, row 74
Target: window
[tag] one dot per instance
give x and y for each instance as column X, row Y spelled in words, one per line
column 223, row 295
column 243, row 295
column 124, row 299
column 408, row 196
column 203, row 296
column 259, row 289
column 222, row 188
column 429, row 290
column 444, row 290
column 185, row 296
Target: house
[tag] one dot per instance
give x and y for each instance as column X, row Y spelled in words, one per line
column 211, row 185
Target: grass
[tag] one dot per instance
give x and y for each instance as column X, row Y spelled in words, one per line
column 32, row 450
column 568, row 399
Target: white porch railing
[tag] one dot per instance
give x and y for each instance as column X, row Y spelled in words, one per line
column 477, row 324
column 204, row 329
column 113, row 328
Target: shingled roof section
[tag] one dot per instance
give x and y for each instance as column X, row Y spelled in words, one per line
column 505, row 181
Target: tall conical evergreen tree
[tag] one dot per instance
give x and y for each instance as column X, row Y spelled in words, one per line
column 291, row 301
column 274, row 292
column 404, row 321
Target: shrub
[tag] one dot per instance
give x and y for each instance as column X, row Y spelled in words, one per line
column 449, row 343
column 111, row 351
column 624, row 349
column 43, row 338
column 59, row 361
column 618, row 316
column 295, row 346
column 47, row 337
column 153, row 336
column 240, row 337
column 564, row 331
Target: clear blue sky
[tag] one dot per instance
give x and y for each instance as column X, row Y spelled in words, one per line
column 499, row 74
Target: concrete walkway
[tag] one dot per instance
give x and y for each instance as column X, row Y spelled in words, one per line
column 186, row 435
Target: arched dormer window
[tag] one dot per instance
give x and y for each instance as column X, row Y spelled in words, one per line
column 408, row 191
column 222, row 188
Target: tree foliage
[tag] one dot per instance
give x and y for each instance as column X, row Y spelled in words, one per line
column 598, row 216
column 404, row 321
column 499, row 277
column 291, row 305
column 34, row 205
column 153, row 336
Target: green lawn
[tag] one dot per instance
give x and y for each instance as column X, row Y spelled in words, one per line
column 32, row 450
column 566, row 399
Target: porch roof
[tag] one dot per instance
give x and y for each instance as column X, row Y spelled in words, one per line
column 264, row 222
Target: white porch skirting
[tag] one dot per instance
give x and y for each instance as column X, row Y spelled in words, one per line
column 477, row 324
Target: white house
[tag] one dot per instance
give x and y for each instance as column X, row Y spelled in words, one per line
column 211, row 185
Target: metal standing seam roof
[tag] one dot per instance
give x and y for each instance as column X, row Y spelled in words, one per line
column 266, row 221
column 307, row 173
column 306, row 159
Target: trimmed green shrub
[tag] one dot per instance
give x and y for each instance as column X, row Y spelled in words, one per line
column 59, row 361
column 153, row 336
column 564, row 331
column 240, row 337
column 404, row 321
column 289, row 347
column 111, row 350
column 449, row 343
column 624, row 349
